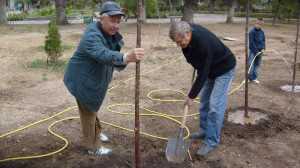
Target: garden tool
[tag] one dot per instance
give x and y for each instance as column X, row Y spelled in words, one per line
column 177, row 148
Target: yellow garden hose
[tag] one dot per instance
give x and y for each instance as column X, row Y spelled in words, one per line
column 37, row 122
column 110, row 109
column 52, row 132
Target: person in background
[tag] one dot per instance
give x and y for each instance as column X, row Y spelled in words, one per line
column 257, row 46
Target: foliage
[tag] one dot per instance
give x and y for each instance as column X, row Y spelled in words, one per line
column 65, row 47
column 44, row 3
column 287, row 9
column 284, row 8
column 45, row 11
column 16, row 16
column 151, row 8
column 24, row 1
column 130, row 6
column 254, row 15
column 59, row 66
column 53, row 45
column 80, row 4
column 77, row 4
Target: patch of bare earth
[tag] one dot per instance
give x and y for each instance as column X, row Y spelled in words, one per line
column 30, row 94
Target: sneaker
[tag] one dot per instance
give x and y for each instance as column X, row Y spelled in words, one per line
column 103, row 137
column 249, row 81
column 102, row 151
column 256, row 81
column 197, row 135
column 244, row 81
column 204, row 150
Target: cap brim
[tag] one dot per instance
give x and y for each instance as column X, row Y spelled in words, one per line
column 113, row 13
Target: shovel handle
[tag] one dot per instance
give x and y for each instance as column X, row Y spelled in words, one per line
column 186, row 110
column 193, row 77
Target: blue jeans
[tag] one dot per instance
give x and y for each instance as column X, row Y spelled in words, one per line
column 213, row 97
column 253, row 74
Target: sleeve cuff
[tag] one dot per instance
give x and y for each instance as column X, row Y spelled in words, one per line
column 117, row 58
column 124, row 58
column 191, row 95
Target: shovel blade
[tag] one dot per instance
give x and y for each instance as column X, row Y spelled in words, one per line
column 176, row 150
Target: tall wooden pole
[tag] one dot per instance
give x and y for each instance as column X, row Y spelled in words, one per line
column 296, row 50
column 246, row 59
column 137, row 89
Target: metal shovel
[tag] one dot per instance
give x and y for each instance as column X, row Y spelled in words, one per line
column 177, row 148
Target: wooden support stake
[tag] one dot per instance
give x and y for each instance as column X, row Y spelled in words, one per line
column 246, row 60
column 296, row 51
column 137, row 90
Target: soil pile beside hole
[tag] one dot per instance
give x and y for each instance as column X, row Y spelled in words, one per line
column 288, row 88
column 238, row 117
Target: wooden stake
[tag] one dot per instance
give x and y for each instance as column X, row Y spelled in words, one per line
column 246, row 60
column 296, row 50
column 137, row 89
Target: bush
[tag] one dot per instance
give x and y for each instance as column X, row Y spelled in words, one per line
column 131, row 6
column 255, row 15
column 80, row 4
column 65, row 47
column 151, row 10
column 16, row 16
column 47, row 11
column 53, row 45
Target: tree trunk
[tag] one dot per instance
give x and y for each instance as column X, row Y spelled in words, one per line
column 276, row 12
column 238, row 7
column 231, row 10
column 211, row 6
column 143, row 12
column 171, row 11
column 188, row 12
column 61, row 18
column 3, row 11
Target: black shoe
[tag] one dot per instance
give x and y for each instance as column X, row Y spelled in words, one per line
column 197, row 135
column 204, row 150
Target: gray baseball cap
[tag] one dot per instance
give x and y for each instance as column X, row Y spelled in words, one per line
column 111, row 8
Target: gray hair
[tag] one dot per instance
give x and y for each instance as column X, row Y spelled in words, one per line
column 104, row 14
column 179, row 28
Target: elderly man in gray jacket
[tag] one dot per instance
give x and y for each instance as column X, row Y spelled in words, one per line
column 90, row 71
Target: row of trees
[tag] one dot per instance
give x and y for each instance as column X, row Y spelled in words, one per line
column 279, row 8
column 2, row 11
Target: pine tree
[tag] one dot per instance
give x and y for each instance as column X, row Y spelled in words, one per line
column 53, row 45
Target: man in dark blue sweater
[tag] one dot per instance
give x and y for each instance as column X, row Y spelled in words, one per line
column 215, row 66
column 257, row 46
